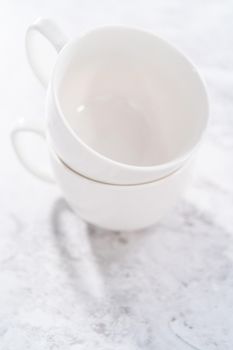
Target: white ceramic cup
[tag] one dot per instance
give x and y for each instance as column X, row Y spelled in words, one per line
column 114, row 207
column 123, row 105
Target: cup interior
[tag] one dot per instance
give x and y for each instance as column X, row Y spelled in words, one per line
column 130, row 96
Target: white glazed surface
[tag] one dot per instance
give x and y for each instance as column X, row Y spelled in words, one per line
column 129, row 118
column 117, row 207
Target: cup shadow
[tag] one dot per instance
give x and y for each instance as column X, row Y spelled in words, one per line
column 99, row 266
column 86, row 246
column 106, row 246
column 74, row 252
column 130, row 276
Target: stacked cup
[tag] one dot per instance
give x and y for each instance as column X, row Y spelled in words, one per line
column 125, row 114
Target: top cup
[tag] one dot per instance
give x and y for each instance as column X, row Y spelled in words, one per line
column 123, row 105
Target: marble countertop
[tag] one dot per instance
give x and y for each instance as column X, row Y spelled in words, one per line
column 67, row 285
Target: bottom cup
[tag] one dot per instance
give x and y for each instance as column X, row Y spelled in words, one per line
column 114, row 207
column 119, row 207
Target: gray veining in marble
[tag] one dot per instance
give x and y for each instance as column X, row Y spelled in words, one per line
column 68, row 285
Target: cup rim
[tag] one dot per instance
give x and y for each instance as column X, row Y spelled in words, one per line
column 106, row 184
column 145, row 168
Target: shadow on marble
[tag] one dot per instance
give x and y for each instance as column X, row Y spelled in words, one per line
column 133, row 276
column 59, row 234
column 95, row 259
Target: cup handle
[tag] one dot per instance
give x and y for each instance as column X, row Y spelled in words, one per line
column 50, row 31
column 20, row 127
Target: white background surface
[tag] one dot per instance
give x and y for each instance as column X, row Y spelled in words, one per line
column 66, row 285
